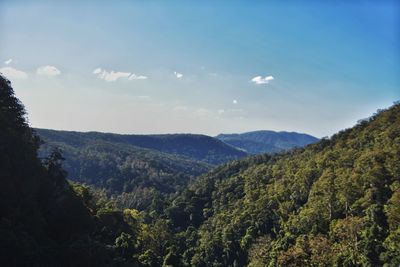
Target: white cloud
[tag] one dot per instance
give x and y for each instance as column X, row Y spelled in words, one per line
column 178, row 75
column 12, row 73
column 8, row 61
column 112, row 76
column 137, row 77
column 220, row 111
column 234, row 101
column 262, row 80
column 48, row 71
column 97, row 71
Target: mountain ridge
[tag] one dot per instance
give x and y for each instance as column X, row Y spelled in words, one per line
column 135, row 169
column 267, row 141
column 196, row 146
column 332, row 203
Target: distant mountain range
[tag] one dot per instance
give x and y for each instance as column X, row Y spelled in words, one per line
column 259, row 142
column 193, row 146
column 145, row 166
column 333, row 203
column 140, row 166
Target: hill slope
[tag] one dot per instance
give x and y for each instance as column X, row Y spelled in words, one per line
column 334, row 203
column 43, row 222
column 259, row 142
column 196, row 147
column 106, row 162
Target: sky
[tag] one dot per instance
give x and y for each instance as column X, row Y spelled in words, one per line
column 208, row 67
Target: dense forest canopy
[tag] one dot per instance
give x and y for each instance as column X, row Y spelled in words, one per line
column 135, row 169
column 192, row 146
column 41, row 219
column 333, row 203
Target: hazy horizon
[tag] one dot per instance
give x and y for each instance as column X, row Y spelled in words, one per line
column 172, row 133
column 153, row 67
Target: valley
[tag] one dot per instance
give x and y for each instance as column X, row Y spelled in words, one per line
column 332, row 203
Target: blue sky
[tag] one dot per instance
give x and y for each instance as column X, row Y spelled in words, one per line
column 202, row 67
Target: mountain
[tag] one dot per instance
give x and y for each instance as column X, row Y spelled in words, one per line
column 136, row 168
column 334, row 203
column 192, row 146
column 259, row 142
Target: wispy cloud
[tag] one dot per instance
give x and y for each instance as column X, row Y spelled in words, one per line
column 12, row 73
column 112, row 76
column 97, row 71
column 234, row 101
column 178, row 75
column 8, row 61
column 137, row 77
column 262, row 80
column 48, row 71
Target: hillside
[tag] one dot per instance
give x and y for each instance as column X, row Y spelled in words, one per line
column 135, row 169
column 334, row 203
column 133, row 175
column 259, row 142
column 196, row 147
column 43, row 221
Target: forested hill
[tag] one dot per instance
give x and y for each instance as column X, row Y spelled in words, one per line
column 136, row 169
column 259, row 142
column 196, row 147
column 43, row 221
column 133, row 175
column 334, row 203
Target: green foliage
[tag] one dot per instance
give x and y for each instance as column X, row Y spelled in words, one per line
column 334, row 203
column 133, row 176
column 201, row 148
column 42, row 220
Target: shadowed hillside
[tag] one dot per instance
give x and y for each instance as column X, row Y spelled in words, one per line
column 196, row 147
column 43, row 221
column 140, row 167
column 333, row 203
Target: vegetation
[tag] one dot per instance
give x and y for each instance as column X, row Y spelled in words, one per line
column 190, row 146
column 333, row 203
column 41, row 219
column 132, row 176
column 135, row 169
